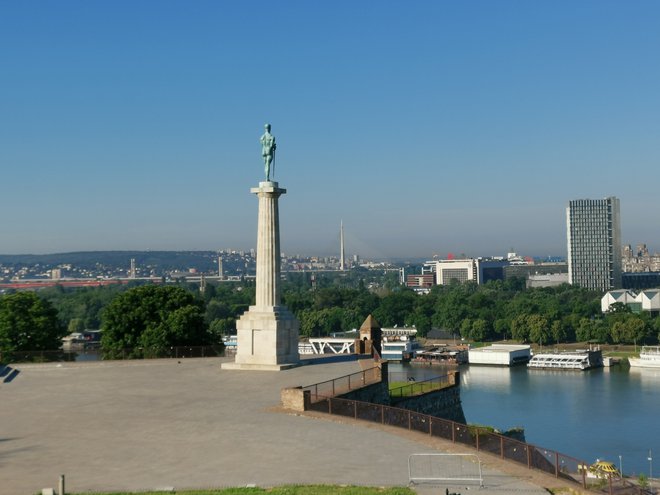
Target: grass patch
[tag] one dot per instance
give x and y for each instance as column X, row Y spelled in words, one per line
column 621, row 354
column 283, row 490
column 410, row 389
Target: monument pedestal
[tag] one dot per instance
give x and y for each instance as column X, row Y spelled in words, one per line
column 267, row 332
column 267, row 340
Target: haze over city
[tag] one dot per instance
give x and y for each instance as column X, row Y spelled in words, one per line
column 428, row 127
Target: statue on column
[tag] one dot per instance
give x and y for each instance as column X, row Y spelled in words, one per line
column 268, row 148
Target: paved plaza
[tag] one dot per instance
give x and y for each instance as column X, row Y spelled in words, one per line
column 141, row 425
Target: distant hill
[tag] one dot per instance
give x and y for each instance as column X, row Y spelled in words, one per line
column 164, row 260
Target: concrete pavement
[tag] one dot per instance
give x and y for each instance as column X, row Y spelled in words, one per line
column 141, row 425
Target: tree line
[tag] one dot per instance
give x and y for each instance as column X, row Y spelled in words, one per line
column 160, row 316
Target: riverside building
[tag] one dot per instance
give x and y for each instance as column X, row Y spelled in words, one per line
column 593, row 230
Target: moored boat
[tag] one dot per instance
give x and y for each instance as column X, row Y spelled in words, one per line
column 575, row 360
column 649, row 357
column 441, row 356
column 399, row 348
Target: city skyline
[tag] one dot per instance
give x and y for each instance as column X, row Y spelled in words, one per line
column 429, row 128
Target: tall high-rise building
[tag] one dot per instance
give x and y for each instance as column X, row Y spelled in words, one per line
column 593, row 231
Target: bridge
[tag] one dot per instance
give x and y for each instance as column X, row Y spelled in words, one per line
column 329, row 345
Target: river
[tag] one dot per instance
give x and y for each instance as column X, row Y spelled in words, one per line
column 603, row 413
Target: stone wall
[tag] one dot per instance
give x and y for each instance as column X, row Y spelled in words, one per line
column 295, row 398
column 378, row 393
column 445, row 403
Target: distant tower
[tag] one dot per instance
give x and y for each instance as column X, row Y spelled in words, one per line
column 131, row 274
column 341, row 247
column 593, row 228
column 221, row 272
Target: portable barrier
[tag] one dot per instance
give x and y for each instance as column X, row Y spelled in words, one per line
column 431, row 468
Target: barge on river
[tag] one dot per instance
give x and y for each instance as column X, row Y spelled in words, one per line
column 571, row 360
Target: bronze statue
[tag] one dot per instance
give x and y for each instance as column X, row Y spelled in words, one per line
column 268, row 148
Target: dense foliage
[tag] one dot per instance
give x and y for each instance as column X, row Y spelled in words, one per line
column 152, row 318
column 497, row 310
column 160, row 316
column 81, row 308
column 28, row 323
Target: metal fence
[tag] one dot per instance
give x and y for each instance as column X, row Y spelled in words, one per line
column 100, row 354
column 344, row 384
column 422, row 387
column 482, row 439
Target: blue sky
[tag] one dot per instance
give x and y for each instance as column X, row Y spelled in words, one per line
column 428, row 127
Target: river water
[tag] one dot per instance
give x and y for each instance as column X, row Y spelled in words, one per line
column 603, row 413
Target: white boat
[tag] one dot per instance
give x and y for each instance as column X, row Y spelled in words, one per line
column 649, row 357
column 400, row 348
column 577, row 360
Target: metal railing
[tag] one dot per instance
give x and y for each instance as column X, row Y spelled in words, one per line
column 343, row 384
column 482, row 439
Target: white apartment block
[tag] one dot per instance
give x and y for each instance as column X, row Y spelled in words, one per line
column 593, row 231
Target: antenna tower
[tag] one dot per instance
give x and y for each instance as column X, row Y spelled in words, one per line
column 341, row 247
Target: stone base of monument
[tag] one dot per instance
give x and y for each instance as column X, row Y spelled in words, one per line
column 267, row 340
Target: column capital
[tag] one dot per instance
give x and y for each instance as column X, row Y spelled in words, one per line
column 268, row 187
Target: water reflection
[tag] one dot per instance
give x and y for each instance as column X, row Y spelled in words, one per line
column 493, row 378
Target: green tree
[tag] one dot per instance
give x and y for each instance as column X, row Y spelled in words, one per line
column 619, row 307
column 395, row 307
column 28, row 323
column 538, row 329
column 311, row 321
column 584, row 330
column 519, row 328
column 558, row 331
column 153, row 318
column 656, row 327
column 466, row 328
column 217, row 309
column 480, row 329
column 634, row 330
column 501, row 327
column 221, row 327
column 76, row 325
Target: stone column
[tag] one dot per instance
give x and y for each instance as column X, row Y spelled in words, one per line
column 267, row 332
column 268, row 245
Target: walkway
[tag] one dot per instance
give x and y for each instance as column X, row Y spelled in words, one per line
column 139, row 425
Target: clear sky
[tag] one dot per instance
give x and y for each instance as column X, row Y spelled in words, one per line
column 427, row 126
